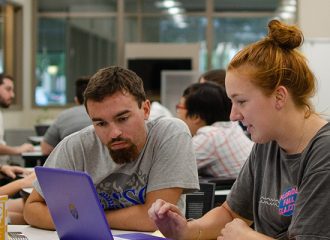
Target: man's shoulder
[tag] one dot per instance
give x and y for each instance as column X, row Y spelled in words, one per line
column 85, row 134
column 77, row 113
column 73, row 111
column 166, row 123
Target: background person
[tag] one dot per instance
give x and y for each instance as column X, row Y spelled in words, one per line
column 221, row 146
column 6, row 98
column 284, row 186
column 17, row 178
column 216, row 76
column 69, row 121
column 132, row 161
column 15, row 205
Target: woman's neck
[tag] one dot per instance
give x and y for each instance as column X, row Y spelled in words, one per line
column 299, row 132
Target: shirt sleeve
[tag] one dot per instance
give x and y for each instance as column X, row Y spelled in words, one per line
column 52, row 135
column 202, row 146
column 174, row 161
column 240, row 198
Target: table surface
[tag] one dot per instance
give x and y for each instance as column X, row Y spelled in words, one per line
column 38, row 234
column 36, row 152
column 35, row 158
column 33, row 233
column 222, row 192
column 35, row 139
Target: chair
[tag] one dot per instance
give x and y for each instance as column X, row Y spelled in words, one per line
column 199, row 203
column 221, row 183
column 222, row 186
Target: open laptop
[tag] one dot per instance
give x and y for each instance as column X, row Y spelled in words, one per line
column 75, row 207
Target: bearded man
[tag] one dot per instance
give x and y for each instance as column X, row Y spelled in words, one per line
column 131, row 160
column 6, row 98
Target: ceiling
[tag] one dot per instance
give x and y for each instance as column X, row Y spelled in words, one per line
column 151, row 5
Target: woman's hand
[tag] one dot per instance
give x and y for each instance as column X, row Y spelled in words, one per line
column 235, row 230
column 169, row 220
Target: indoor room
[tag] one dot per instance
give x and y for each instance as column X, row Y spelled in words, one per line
column 199, row 118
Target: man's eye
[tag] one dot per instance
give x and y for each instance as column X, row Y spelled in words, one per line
column 122, row 119
column 100, row 124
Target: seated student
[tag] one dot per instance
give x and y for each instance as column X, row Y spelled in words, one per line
column 158, row 110
column 6, row 98
column 221, row 147
column 283, row 189
column 15, row 206
column 216, row 75
column 132, row 161
column 69, row 121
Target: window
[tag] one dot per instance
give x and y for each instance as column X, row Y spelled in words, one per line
column 69, row 48
column 78, row 37
column 75, row 39
column 11, row 50
column 232, row 34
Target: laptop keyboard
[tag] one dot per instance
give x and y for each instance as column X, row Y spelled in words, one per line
column 17, row 236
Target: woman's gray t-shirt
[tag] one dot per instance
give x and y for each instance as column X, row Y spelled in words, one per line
column 286, row 196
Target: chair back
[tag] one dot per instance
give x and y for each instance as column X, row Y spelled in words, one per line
column 199, row 203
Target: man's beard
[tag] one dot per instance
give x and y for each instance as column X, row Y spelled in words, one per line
column 124, row 155
column 4, row 104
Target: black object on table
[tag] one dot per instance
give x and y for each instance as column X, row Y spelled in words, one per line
column 32, row 159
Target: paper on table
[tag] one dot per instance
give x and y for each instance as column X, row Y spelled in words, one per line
column 158, row 234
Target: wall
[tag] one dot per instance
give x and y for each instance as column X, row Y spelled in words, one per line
column 314, row 19
column 27, row 116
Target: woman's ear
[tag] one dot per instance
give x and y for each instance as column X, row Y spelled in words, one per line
column 281, row 96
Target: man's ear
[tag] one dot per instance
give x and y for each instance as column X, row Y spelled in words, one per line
column 76, row 100
column 281, row 97
column 197, row 120
column 146, row 109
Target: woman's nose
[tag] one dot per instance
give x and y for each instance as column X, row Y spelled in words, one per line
column 235, row 115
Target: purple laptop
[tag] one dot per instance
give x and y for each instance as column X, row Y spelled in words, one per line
column 75, row 208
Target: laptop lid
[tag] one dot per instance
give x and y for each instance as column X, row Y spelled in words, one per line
column 75, row 207
column 73, row 203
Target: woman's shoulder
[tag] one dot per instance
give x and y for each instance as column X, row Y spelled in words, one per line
column 321, row 138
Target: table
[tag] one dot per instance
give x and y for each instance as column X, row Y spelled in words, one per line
column 35, row 158
column 38, row 234
column 35, row 140
column 220, row 196
column 33, row 233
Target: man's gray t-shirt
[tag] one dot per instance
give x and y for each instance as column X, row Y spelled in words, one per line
column 286, row 196
column 166, row 161
column 69, row 121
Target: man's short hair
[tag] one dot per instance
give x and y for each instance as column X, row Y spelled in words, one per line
column 3, row 76
column 81, row 85
column 216, row 75
column 110, row 80
column 207, row 100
